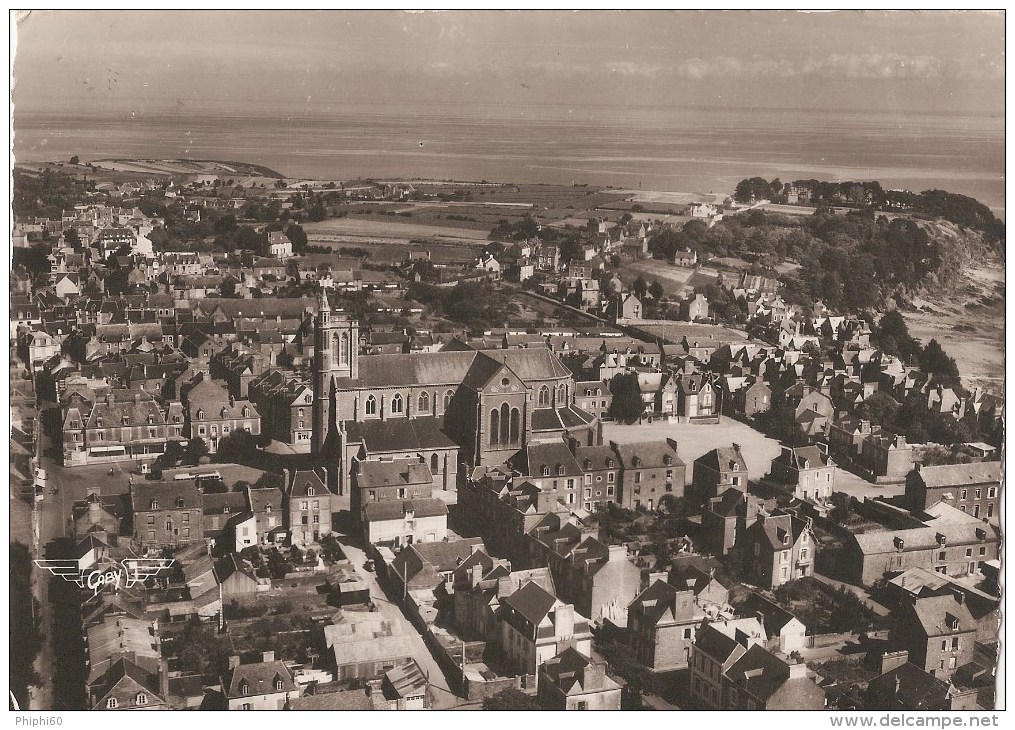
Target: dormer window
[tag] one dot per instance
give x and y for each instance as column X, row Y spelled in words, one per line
column 111, row 703
column 279, row 684
column 98, row 422
column 310, row 491
column 736, row 466
column 179, row 502
column 546, row 470
column 244, row 688
column 588, row 464
column 200, row 414
column 151, row 420
column 141, row 699
column 609, row 463
column 952, row 621
column 560, row 470
column 246, row 411
column 155, row 504
column 125, row 420
column 667, row 460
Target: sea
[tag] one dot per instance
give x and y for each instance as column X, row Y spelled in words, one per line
column 699, row 150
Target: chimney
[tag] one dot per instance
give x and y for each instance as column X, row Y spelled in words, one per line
column 960, row 595
column 893, row 660
column 798, row 671
column 595, row 675
column 267, row 656
column 563, row 620
column 736, row 447
column 137, row 398
column 234, row 661
column 285, row 480
column 475, row 575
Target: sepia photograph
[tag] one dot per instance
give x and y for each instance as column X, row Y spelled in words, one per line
column 497, row 360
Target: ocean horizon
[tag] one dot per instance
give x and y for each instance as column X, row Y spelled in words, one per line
column 699, row 150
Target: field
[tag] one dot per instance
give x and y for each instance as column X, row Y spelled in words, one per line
column 695, row 440
column 694, row 332
column 675, row 280
column 350, row 226
column 969, row 325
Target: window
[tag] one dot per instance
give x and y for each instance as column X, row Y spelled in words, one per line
column 609, row 490
column 784, row 556
column 637, row 477
column 963, row 493
column 983, row 551
column 246, row 706
column 317, row 519
column 991, row 492
column 447, row 398
column 561, row 395
column 515, row 432
column 435, row 464
column 581, row 706
column 495, row 427
column 544, row 397
column 546, row 470
column 310, row 493
column 304, row 505
column 169, row 525
column 111, row 703
column 141, row 699
column 955, row 643
column 976, row 510
column 560, row 470
column 803, row 554
column 687, row 633
column 371, row 406
column 186, row 516
column 611, row 477
column 396, row 403
column 942, row 555
column 279, row 684
column 423, row 402
column 990, row 509
column 969, row 552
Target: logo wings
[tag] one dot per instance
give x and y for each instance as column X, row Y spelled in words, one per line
column 66, row 569
column 139, row 570
column 135, row 570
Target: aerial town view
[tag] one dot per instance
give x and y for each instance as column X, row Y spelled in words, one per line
column 630, row 360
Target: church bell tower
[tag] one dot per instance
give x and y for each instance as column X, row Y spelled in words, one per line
column 336, row 355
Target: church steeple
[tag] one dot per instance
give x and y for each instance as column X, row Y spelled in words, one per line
column 336, row 355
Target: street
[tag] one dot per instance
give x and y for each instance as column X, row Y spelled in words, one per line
column 441, row 694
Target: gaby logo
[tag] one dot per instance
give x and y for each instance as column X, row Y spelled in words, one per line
column 124, row 574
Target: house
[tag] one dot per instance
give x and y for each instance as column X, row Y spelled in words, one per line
column 649, row 470
column 905, row 686
column 236, row 576
column 271, row 520
column 264, row 685
column 126, row 686
column 973, row 488
column 536, row 627
column 720, row 469
column 166, row 514
column 754, row 399
column 426, row 565
column 627, row 306
column 807, row 472
column 698, row 398
column 405, row 687
column 687, row 258
column 279, row 245
column 778, row 548
column 573, row 681
column 661, row 623
column 725, row 518
column 308, row 506
column 950, row 547
column 695, row 309
column 938, row 632
column 732, row 670
column 394, row 504
column 916, row 583
column 117, row 637
column 365, row 645
column 212, row 414
column 785, row 632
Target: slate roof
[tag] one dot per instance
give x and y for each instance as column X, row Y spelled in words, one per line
column 398, row 472
column 166, row 494
column 652, row 454
column 960, row 475
column 260, row 678
column 308, row 479
column 917, row 689
column 933, row 614
column 399, row 434
column 722, row 459
column 924, row 538
column 381, row 511
column 759, row 671
column 532, row 602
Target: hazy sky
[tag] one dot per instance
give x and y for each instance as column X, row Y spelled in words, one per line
column 313, row 61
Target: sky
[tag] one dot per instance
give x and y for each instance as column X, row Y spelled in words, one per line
column 318, row 61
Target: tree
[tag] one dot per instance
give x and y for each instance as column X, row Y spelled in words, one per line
column 627, row 405
column 237, row 446
column 317, row 213
column 197, row 449
column 880, row 408
column 26, row 641
column 228, row 287
column 656, row 290
column 511, row 699
column 640, row 287
column 225, row 224
column 75, row 160
column 936, row 363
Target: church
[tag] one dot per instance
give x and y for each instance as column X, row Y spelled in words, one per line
column 452, row 410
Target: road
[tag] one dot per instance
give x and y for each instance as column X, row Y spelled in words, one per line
column 441, row 695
